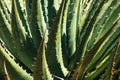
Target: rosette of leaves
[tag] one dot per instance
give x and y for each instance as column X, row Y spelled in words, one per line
column 59, row 39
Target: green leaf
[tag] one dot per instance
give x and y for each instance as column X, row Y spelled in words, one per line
column 14, row 70
column 40, row 69
column 110, row 67
column 90, row 54
column 54, row 51
column 25, row 50
column 98, row 70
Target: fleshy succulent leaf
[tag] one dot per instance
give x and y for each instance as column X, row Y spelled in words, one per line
column 37, row 22
column 14, row 70
column 21, row 40
column 99, row 68
column 74, row 39
column 90, row 54
column 41, row 70
column 110, row 68
column 53, row 52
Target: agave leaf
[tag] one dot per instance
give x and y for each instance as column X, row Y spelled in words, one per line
column 96, row 32
column 8, row 4
column 25, row 50
column 110, row 67
column 5, row 29
column 98, row 25
column 53, row 51
column 40, row 19
column 115, row 10
column 56, row 4
column 28, row 8
column 113, row 36
column 79, row 20
column 87, row 29
column 33, row 24
column 111, row 71
column 51, row 12
column 111, row 39
column 5, row 9
column 37, row 23
column 21, row 8
column 81, row 34
column 117, row 62
column 108, row 9
column 45, row 9
column 99, row 68
column 64, row 36
column 14, row 70
column 73, row 29
column 72, row 26
column 105, row 48
column 41, row 70
column 90, row 54
column 87, row 7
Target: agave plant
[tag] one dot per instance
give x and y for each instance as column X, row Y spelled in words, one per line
column 59, row 39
